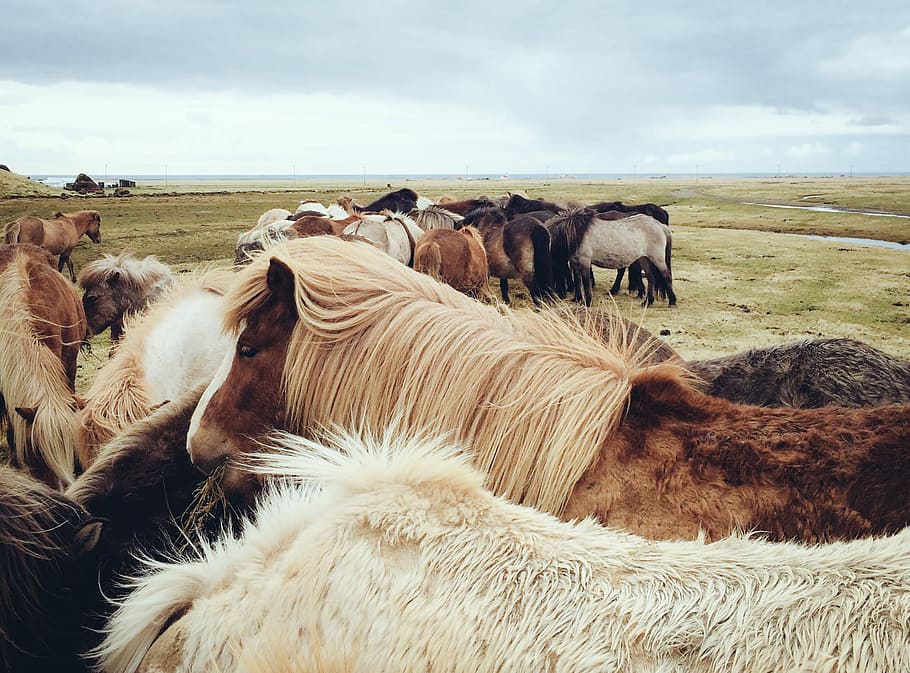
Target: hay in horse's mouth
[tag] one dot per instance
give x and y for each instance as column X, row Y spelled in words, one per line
column 209, row 504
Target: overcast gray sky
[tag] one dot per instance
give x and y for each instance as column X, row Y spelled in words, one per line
column 489, row 87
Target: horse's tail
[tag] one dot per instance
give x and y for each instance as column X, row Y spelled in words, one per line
column 543, row 272
column 137, row 623
column 11, row 232
column 662, row 283
column 428, row 259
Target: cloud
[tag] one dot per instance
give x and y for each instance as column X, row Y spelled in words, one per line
column 416, row 86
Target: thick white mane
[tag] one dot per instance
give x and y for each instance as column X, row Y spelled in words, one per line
column 273, row 215
column 388, row 555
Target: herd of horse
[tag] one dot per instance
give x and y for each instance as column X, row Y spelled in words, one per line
column 342, row 454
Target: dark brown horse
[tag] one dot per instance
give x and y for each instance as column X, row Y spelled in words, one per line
column 42, row 328
column 808, row 374
column 518, row 248
column 465, row 206
column 47, row 577
column 59, row 236
column 559, row 420
column 400, row 201
column 518, row 205
column 117, row 286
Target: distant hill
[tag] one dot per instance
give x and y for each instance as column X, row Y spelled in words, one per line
column 13, row 184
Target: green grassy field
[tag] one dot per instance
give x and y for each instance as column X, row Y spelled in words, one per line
column 741, row 283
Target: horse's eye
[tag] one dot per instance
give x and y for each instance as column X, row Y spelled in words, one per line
column 246, row 351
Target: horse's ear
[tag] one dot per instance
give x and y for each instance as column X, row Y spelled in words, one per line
column 87, row 537
column 28, row 413
column 280, row 281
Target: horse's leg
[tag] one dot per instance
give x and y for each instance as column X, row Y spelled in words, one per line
column 504, row 289
column 65, row 259
column 575, row 274
column 588, row 275
column 666, row 278
column 636, row 284
column 616, row 283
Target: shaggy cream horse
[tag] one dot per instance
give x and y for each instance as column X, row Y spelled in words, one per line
column 169, row 349
column 393, row 233
column 390, row 555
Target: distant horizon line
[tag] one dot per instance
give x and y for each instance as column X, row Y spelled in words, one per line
column 467, row 175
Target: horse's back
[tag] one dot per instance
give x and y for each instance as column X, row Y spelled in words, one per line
column 28, row 229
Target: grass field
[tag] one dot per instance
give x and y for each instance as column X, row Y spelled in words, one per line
column 741, row 280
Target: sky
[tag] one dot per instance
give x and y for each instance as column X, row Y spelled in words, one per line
column 456, row 87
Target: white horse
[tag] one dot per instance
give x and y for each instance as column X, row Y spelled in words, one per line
column 272, row 215
column 393, row 233
column 390, row 555
column 311, row 207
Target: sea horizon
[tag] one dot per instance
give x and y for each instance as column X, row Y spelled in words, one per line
column 59, row 178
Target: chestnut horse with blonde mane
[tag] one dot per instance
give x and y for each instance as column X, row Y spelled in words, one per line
column 42, row 328
column 58, row 236
column 558, row 419
column 454, row 257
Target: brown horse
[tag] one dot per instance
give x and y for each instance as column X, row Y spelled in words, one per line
column 454, row 257
column 559, row 420
column 42, row 327
column 59, row 235
column 519, row 248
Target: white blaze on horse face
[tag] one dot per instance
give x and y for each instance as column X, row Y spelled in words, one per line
column 186, row 347
column 217, row 381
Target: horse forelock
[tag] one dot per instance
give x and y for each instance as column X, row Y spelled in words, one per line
column 32, row 376
column 137, row 274
column 525, row 378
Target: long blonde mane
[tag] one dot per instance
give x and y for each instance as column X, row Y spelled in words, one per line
column 32, row 376
column 119, row 396
column 534, row 397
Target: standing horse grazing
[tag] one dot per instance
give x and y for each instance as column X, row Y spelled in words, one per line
column 59, row 236
column 42, row 327
column 172, row 347
column 560, row 420
column 515, row 249
column 393, row 233
column 808, row 374
column 114, row 287
column 584, row 238
column 390, row 555
column 454, row 257
column 47, row 577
